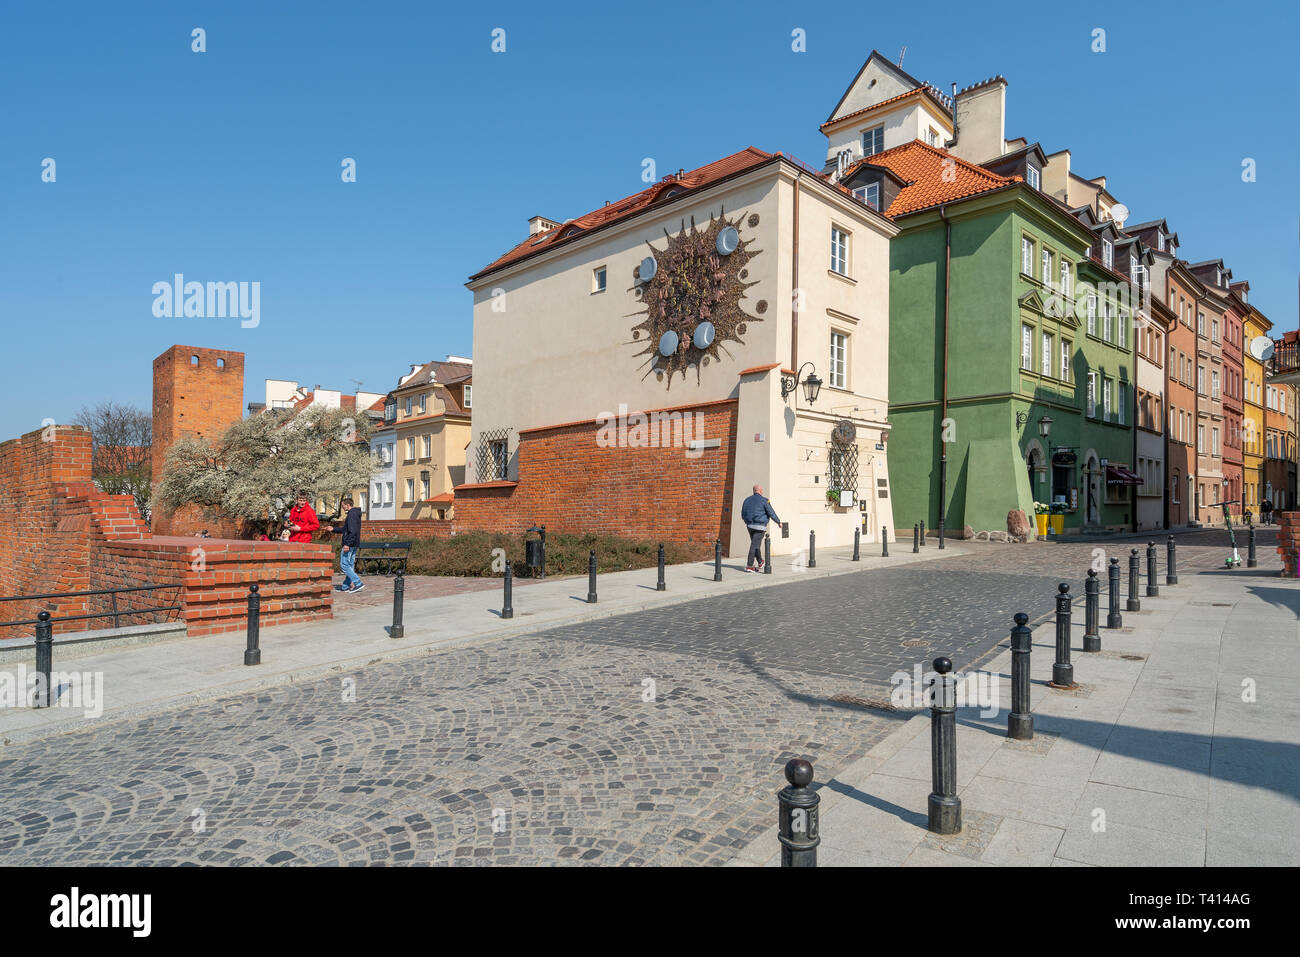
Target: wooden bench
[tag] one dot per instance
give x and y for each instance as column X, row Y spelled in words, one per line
column 387, row 558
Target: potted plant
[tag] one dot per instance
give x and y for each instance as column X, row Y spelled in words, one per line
column 1057, row 516
column 1041, row 513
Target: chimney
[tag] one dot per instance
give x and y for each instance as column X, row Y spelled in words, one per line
column 540, row 224
column 979, row 112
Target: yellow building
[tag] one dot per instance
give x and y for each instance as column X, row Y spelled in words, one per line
column 431, row 431
column 1252, row 420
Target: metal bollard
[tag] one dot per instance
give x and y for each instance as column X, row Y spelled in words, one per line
column 812, row 548
column 1171, row 568
column 1114, row 619
column 399, row 595
column 1062, row 670
column 253, row 653
column 1020, row 722
column 591, row 578
column 717, row 560
column 1153, row 590
column 916, row 539
column 1250, row 552
column 941, row 533
column 884, row 541
column 857, row 536
column 1091, row 611
column 660, row 585
column 944, row 805
column 923, row 533
column 767, row 554
column 507, row 610
column 44, row 659
column 1134, row 572
column 797, row 816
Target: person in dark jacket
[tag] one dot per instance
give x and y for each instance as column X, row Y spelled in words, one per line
column 351, row 531
column 755, row 512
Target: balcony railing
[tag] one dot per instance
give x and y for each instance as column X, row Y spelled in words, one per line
column 1286, row 359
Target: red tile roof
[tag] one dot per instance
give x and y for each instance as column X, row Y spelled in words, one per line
column 630, row 205
column 933, row 176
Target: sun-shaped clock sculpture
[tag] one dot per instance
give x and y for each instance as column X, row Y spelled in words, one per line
column 692, row 292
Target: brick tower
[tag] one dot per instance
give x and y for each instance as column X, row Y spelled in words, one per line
column 195, row 392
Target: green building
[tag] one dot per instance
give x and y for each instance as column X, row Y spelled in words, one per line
column 1002, row 327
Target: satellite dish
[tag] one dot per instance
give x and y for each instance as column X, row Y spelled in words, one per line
column 668, row 343
column 728, row 240
column 648, row 268
column 1119, row 213
column 703, row 337
column 1261, row 347
column 844, row 432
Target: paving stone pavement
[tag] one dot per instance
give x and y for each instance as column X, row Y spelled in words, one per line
column 534, row 749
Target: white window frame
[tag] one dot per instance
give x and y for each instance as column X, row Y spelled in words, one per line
column 424, row 486
column 599, row 279
column 1092, row 314
column 1045, row 258
column 469, row 392
column 407, row 407
column 1106, row 317
column 868, row 194
column 1106, row 408
column 1108, row 254
column 1065, row 277
column 1092, row 395
column 877, row 138
column 1026, row 347
column 410, row 448
column 1026, row 256
column 1048, row 343
column 424, row 406
column 1120, row 402
column 426, row 442
column 840, row 251
column 839, row 377
column 410, row 491
column 1033, row 176
column 1066, row 348
column 1121, row 329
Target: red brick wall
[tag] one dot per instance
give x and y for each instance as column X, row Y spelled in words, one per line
column 406, row 528
column 569, row 483
column 59, row 533
column 1288, row 542
column 200, row 400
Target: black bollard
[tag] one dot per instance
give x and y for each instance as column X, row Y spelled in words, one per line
column 1250, row 550
column 1153, row 590
column 797, row 816
column 767, row 554
column 941, row 533
column 923, row 533
column 591, row 578
column 857, row 536
column 944, row 805
column 1114, row 619
column 1134, row 573
column 399, row 595
column 660, row 585
column 717, row 560
column 508, row 610
column 1020, row 722
column 1062, row 670
column 1171, row 567
column 1091, row 611
column 812, row 549
column 44, row 659
column 253, row 653
column 884, row 541
column 916, row 539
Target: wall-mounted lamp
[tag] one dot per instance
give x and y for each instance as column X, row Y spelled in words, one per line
column 812, row 385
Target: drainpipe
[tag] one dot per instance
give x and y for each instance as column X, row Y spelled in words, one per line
column 794, row 291
column 943, row 404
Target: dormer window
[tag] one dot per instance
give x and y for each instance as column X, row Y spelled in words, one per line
column 1218, row 277
column 931, row 136
column 1160, row 241
column 1107, row 254
column 869, row 194
column 1033, row 177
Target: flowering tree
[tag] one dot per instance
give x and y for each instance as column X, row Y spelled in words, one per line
column 257, row 467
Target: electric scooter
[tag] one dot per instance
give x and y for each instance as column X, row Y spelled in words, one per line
column 1234, row 559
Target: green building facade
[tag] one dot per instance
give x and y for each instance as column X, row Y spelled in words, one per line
column 1028, row 340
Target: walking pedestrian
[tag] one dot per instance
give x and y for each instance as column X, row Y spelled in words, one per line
column 1266, row 511
column 302, row 520
column 351, row 531
column 755, row 512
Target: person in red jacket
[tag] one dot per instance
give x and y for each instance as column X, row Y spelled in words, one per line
column 302, row 520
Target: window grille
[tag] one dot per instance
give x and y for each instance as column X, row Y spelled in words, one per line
column 492, row 456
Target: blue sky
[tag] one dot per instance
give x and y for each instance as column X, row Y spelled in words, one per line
column 225, row 165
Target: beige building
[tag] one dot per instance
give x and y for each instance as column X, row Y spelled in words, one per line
column 748, row 298
column 430, row 431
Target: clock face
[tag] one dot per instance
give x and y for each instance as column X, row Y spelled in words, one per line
column 692, row 292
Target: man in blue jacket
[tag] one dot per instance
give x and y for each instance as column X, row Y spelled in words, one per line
column 351, row 529
column 755, row 512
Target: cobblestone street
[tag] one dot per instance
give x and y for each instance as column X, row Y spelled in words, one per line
column 542, row 748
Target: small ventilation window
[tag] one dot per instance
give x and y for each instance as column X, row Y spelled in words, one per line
column 194, row 361
column 221, row 363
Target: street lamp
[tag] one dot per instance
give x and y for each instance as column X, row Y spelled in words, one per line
column 812, row 385
column 1045, row 426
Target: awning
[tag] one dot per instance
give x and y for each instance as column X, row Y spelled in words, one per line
column 1118, row 475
